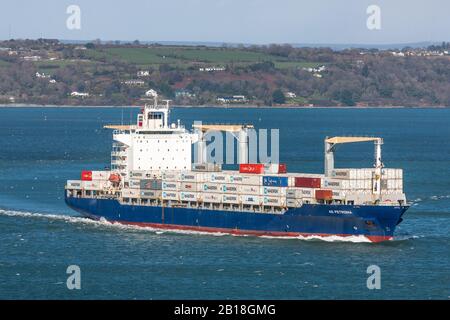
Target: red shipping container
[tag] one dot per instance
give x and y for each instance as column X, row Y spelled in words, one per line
column 306, row 182
column 282, row 168
column 256, row 168
column 86, row 175
column 324, row 194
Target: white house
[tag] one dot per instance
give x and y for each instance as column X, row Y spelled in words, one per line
column 151, row 93
column 79, row 94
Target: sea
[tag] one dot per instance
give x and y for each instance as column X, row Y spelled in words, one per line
column 41, row 238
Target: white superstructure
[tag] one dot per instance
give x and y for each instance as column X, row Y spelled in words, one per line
column 153, row 144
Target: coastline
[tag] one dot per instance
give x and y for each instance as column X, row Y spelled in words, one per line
column 227, row 106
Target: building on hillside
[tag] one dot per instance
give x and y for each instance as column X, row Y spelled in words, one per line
column 79, row 94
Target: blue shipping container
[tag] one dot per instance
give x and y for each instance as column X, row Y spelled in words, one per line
column 271, row 181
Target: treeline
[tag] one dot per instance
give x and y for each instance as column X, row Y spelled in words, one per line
column 350, row 77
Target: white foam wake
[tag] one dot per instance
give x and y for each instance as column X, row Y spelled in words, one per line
column 102, row 223
column 331, row 238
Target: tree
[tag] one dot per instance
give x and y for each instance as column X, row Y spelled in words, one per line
column 278, row 97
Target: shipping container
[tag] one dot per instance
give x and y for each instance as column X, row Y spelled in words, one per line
column 170, row 186
column 230, row 198
column 230, row 188
column 307, row 182
column 211, row 197
column 86, row 175
column 253, row 180
column 131, row 193
column 294, row 203
column 100, row 175
column 275, row 168
column 322, row 194
column 134, row 184
column 206, row 167
column 151, row 194
column 170, row 195
column 211, row 187
column 218, row 177
column 189, row 196
column 248, row 189
column 273, row 191
column 74, row 184
column 338, row 194
column 93, row 185
column 188, row 186
column 151, row 184
column 234, row 178
column 274, row 181
column 336, row 183
column 300, row 193
column 274, row 201
column 250, row 199
column 171, row 176
column 256, row 168
column 192, row 176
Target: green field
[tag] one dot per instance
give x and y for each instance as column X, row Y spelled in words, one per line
column 296, row 64
column 49, row 67
column 184, row 56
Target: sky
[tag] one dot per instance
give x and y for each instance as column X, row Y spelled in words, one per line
column 232, row 21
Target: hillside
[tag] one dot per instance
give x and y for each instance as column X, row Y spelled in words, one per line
column 50, row 72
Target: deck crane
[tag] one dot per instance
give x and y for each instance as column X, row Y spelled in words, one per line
column 330, row 146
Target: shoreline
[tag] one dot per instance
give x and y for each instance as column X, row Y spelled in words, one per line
column 227, row 106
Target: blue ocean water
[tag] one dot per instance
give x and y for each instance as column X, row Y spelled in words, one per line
column 40, row 148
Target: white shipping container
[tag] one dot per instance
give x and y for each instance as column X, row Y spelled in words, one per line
column 294, row 203
column 254, row 180
column 234, row 178
column 188, row 196
column 273, row 191
column 399, row 173
column 211, row 187
column 74, row 184
column 93, row 185
column 211, row 197
column 192, row 176
column 250, row 199
column 299, row 193
column 130, row 193
column 274, row 201
column 338, row 194
column 151, row 194
column 100, row 175
column 217, row 177
column 171, row 176
column 230, row 198
column 247, row 189
column 170, row 186
column 230, row 188
column 134, row 184
column 335, row 183
column 188, row 186
column 170, row 195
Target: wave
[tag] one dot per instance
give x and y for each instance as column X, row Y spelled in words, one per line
column 333, row 238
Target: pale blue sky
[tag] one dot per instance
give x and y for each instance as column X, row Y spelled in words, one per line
column 237, row 21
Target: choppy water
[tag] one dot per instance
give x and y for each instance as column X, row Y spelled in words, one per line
column 39, row 237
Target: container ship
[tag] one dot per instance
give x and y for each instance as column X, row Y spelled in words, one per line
column 153, row 182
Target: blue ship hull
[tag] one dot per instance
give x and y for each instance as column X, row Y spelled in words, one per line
column 376, row 223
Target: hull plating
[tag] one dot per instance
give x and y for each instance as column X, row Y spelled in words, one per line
column 377, row 223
